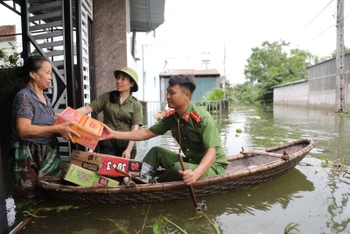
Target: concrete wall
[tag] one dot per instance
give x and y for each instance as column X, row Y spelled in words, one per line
column 295, row 94
column 299, row 95
column 110, row 42
column 322, row 99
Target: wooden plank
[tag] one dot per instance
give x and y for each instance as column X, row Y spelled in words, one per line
column 49, row 15
column 48, row 35
column 44, row 26
column 51, row 44
column 44, row 6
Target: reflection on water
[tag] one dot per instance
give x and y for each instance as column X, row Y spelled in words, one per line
column 339, row 205
column 315, row 197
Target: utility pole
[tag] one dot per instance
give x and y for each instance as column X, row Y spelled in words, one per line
column 340, row 54
column 205, row 59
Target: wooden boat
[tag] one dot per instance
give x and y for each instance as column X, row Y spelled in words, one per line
column 247, row 169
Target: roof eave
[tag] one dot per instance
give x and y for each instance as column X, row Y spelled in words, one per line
column 146, row 15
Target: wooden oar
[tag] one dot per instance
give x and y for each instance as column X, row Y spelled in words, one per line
column 283, row 156
column 135, row 179
column 190, row 187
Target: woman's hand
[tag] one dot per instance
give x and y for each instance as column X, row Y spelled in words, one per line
column 159, row 115
column 107, row 133
column 66, row 132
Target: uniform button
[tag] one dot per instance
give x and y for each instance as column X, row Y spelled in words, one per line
column 188, row 149
column 182, row 125
column 185, row 138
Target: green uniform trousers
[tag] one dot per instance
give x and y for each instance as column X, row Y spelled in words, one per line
column 161, row 157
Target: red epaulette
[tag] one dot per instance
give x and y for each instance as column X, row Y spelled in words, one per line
column 170, row 113
column 196, row 117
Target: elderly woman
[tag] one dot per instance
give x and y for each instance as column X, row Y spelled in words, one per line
column 121, row 112
column 34, row 135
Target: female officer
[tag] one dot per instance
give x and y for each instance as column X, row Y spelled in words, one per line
column 121, row 112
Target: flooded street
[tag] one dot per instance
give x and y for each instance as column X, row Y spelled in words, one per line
column 314, row 195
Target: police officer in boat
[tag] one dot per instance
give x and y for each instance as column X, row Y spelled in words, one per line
column 192, row 127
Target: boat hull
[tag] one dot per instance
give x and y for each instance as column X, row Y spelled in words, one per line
column 242, row 173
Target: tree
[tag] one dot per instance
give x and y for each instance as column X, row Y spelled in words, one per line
column 333, row 55
column 271, row 65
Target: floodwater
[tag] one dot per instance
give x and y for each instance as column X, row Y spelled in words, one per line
column 314, row 195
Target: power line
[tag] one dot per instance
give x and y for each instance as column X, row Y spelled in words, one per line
column 312, row 20
column 325, row 30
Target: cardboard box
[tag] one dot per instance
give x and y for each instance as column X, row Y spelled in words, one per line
column 87, row 165
column 90, row 129
column 106, row 163
column 84, row 177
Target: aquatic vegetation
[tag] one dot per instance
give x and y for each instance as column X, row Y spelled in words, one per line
column 158, row 225
column 58, row 209
column 291, row 228
column 164, row 223
column 336, row 167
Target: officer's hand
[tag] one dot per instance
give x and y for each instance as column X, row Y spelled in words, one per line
column 189, row 176
column 126, row 154
column 107, row 133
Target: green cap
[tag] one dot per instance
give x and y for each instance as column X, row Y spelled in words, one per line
column 133, row 75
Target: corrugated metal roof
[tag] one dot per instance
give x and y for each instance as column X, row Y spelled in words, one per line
column 204, row 72
column 146, row 15
column 291, row 83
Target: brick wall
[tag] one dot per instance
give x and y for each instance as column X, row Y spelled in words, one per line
column 110, row 46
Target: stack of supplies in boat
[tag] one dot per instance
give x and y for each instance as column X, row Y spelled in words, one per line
column 105, row 165
column 84, row 177
column 90, row 129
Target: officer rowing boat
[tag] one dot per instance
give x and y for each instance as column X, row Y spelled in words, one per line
column 247, row 169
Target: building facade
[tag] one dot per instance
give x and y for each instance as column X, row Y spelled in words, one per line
column 86, row 40
column 318, row 90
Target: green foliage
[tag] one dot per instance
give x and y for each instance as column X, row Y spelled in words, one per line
column 331, row 56
column 12, row 60
column 158, row 224
column 218, row 94
column 215, row 94
column 291, row 228
column 158, row 229
column 271, row 65
column 209, row 220
column 10, row 84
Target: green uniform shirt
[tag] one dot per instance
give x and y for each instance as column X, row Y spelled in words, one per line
column 119, row 117
column 196, row 138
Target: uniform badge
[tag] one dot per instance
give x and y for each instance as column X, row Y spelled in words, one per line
column 196, row 117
